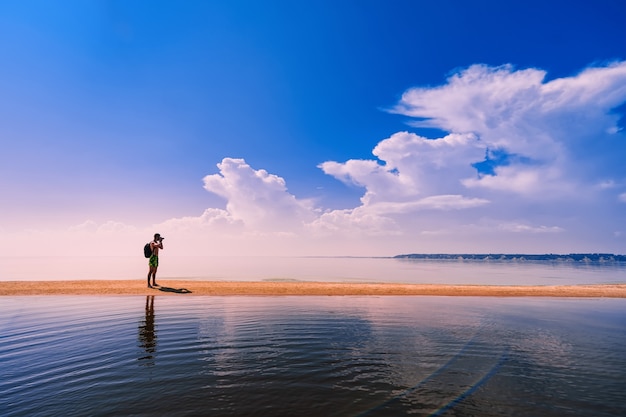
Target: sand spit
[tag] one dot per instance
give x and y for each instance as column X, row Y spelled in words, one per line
column 190, row 288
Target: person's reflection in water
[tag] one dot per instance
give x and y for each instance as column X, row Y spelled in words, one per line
column 147, row 335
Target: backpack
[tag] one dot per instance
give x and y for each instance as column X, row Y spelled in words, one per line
column 147, row 251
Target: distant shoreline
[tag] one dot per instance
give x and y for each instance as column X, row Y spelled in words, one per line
column 272, row 288
column 572, row 257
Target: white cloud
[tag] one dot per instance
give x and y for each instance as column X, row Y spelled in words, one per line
column 510, row 131
column 436, row 202
column 411, row 166
column 518, row 147
column 353, row 222
column 211, row 219
column 379, row 219
column 561, row 128
column 526, row 228
column 86, row 226
column 486, row 226
column 108, row 227
column 526, row 165
column 258, row 199
column 523, row 180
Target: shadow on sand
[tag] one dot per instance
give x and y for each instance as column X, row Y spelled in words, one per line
column 176, row 290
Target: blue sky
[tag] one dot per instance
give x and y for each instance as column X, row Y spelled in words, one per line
column 314, row 128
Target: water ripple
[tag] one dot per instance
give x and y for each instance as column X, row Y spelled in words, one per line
column 311, row 356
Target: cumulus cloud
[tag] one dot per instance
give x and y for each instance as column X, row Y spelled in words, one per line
column 212, row 219
column 518, row 148
column 555, row 130
column 356, row 222
column 109, row 227
column 256, row 198
column 510, row 131
column 523, row 163
column 410, row 166
column 523, row 180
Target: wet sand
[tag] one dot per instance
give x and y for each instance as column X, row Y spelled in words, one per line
column 271, row 288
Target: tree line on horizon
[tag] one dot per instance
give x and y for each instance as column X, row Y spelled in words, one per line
column 572, row 257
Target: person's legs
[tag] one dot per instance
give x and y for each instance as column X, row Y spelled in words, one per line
column 154, row 264
column 150, row 273
column 154, row 284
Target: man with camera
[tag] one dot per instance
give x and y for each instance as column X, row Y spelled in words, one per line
column 153, row 262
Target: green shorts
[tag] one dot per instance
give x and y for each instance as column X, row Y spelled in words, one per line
column 154, row 261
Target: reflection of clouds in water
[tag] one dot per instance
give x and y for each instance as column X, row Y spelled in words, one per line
column 436, row 332
column 212, row 331
column 344, row 355
column 367, row 335
column 554, row 357
column 423, row 353
column 286, row 325
column 543, row 331
column 436, row 353
column 266, row 338
column 544, row 348
column 260, row 349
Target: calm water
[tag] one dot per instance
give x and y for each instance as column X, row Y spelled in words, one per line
column 311, row 356
column 314, row 269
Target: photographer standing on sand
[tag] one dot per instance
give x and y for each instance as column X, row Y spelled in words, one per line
column 153, row 263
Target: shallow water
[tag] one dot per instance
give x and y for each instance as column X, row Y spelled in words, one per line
column 315, row 269
column 312, row 356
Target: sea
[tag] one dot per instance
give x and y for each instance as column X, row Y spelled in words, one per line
column 321, row 269
column 187, row 355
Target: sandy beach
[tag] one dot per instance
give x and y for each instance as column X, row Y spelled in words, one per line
column 271, row 288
